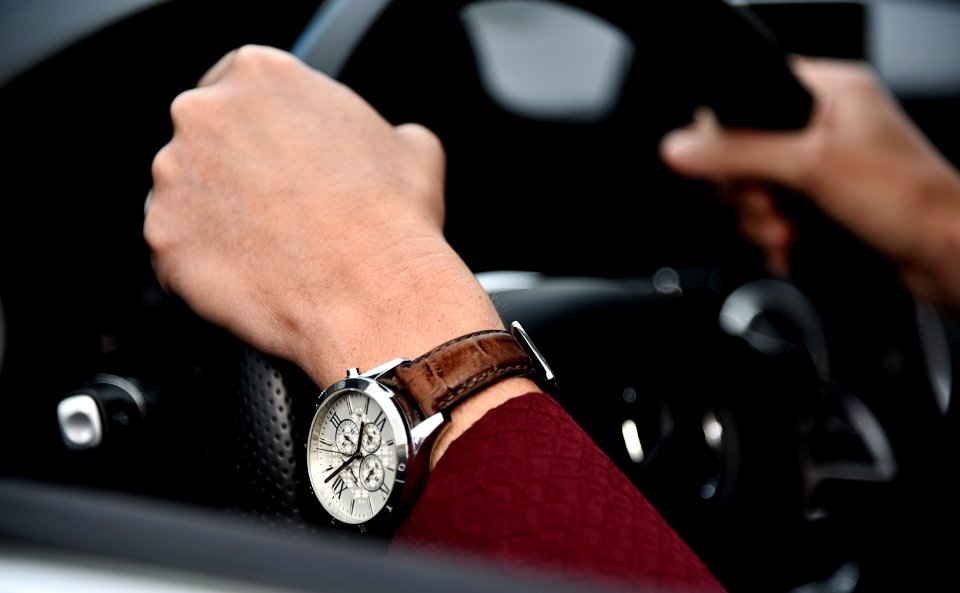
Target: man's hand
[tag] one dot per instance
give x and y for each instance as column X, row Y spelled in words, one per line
column 861, row 161
column 288, row 211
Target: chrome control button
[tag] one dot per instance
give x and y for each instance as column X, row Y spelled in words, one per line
column 80, row 423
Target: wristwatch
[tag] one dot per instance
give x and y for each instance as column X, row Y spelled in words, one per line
column 369, row 443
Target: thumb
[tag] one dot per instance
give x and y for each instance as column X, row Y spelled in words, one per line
column 705, row 150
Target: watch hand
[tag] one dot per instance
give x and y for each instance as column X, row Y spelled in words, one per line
column 349, row 438
column 353, row 457
column 350, row 460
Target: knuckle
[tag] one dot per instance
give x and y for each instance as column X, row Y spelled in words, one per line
column 153, row 235
column 246, row 55
column 186, row 106
column 162, row 165
column 424, row 139
column 251, row 59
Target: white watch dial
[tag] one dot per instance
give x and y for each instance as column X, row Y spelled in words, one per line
column 352, row 459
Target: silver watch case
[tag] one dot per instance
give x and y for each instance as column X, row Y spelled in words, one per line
column 413, row 434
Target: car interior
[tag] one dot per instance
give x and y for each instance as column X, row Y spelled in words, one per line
column 800, row 434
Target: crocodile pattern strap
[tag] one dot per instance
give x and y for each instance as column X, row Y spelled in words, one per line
column 444, row 376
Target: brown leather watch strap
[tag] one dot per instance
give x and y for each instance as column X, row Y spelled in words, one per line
column 455, row 369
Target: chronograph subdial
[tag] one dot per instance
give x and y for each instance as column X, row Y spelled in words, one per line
column 371, row 473
column 347, row 437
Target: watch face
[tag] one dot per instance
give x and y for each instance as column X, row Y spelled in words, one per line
column 357, row 451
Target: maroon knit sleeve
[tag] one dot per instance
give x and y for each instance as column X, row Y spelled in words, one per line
column 527, row 488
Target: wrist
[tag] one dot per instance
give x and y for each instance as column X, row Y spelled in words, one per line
column 929, row 270
column 398, row 308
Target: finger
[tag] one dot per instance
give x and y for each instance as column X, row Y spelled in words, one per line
column 762, row 223
column 218, row 70
column 820, row 74
column 760, row 220
column 706, row 151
